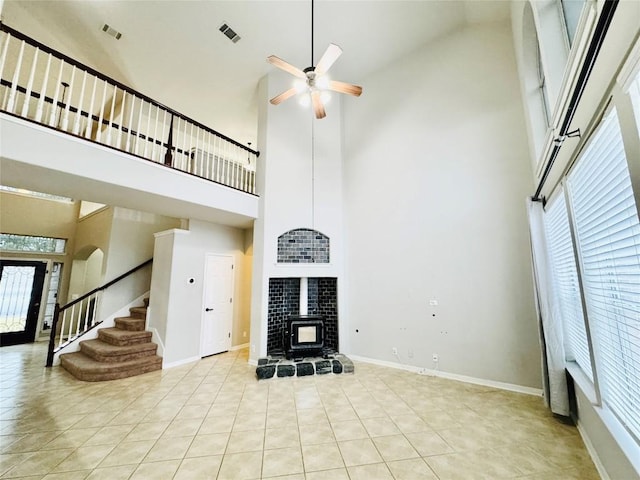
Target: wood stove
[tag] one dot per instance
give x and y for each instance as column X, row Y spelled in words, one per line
column 303, row 336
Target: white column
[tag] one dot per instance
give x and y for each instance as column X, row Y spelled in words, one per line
column 304, row 295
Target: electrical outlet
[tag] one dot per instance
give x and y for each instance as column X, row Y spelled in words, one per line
column 410, row 353
column 435, row 357
column 394, row 350
column 244, row 334
column 253, row 349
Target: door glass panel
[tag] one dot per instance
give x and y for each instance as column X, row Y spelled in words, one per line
column 15, row 294
column 52, row 296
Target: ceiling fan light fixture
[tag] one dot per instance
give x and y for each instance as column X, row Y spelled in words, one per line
column 300, row 86
column 305, row 100
column 313, row 85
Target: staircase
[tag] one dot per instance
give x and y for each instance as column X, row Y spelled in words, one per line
column 119, row 352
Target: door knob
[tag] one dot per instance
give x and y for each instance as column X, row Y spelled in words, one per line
column 208, row 309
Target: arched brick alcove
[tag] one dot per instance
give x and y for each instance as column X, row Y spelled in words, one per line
column 303, row 245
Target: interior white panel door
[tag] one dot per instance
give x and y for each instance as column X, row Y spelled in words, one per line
column 217, row 315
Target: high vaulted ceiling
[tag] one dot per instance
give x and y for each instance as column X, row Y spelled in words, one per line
column 172, row 50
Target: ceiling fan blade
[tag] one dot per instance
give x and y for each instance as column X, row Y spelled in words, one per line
column 348, row 88
column 287, row 67
column 330, row 55
column 318, row 107
column 283, row 96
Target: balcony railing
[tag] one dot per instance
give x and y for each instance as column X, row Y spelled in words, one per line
column 49, row 88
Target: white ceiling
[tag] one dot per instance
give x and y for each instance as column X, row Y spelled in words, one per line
column 173, row 52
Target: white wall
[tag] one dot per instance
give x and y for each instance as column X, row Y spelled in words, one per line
column 436, row 176
column 300, row 186
column 176, row 304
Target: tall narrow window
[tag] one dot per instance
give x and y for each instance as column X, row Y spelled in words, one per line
column 634, row 93
column 571, row 10
column 565, row 284
column 542, row 85
column 608, row 241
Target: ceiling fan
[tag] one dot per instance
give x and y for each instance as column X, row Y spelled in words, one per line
column 313, row 80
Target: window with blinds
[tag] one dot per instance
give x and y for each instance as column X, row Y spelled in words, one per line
column 608, row 242
column 566, row 288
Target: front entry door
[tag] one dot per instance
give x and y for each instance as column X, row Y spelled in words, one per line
column 217, row 312
column 21, row 285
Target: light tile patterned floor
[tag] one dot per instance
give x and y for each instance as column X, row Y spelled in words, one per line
column 213, row 420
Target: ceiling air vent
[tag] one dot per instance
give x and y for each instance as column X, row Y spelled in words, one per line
column 230, row 34
column 111, row 31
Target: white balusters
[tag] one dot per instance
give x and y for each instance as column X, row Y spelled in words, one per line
column 88, row 130
column 67, row 100
column 63, row 324
column 185, row 158
column 199, row 153
column 3, row 54
column 43, row 92
column 236, row 176
column 191, row 151
column 139, row 123
column 217, row 176
column 123, row 111
column 155, row 135
column 208, row 173
column 177, row 158
column 27, row 95
column 112, row 112
column 101, row 116
column 146, row 143
column 162, row 139
column 14, row 83
column 76, row 123
column 127, row 146
column 54, row 109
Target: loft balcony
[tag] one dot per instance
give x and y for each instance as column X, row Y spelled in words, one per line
column 70, row 130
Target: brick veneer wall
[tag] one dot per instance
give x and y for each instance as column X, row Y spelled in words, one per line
column 303, row 245
column 284, row 300
column 323, row 300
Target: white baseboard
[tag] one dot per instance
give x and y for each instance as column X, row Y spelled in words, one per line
column 592, row 452
column 180, row 362
column 239, row 347
column 450, row 376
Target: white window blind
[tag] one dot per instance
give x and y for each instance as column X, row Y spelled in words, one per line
column 608, row 237
column 566, row 289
